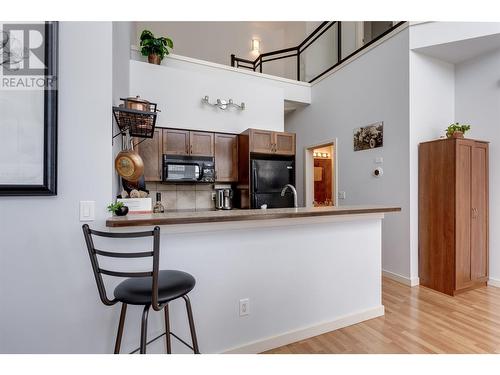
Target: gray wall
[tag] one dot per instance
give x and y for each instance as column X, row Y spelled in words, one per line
column 121, row 82
column 374, row 87
column 49, row 298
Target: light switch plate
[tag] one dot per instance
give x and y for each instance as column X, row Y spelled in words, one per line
column 87, row 210
column 341, row 194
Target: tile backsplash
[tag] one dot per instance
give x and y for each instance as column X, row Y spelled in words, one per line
column 183, row 196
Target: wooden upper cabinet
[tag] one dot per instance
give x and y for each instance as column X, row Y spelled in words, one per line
column 226, row 157
column 201, row 143
column 269, row 142
column 284, row 143
column 261, row 141
column 176, row 142
column 150, row 151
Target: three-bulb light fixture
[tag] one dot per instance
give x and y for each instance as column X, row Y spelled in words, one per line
column 321, row 154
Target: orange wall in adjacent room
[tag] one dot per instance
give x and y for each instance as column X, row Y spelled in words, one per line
column 323, row 188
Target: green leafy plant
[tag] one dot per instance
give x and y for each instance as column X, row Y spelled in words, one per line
column 155, row 46
column 456, row 127
column 114, row 207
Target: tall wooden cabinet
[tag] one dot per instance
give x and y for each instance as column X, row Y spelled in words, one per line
column 453, row 214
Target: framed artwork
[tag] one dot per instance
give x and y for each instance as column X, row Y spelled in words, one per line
column 28, row 108
column 368, row 137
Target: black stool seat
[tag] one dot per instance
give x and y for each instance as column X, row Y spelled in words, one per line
column 172, row 284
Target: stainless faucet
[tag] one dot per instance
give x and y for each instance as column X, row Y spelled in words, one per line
column 294, row 191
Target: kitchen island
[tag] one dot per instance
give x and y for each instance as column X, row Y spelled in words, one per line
column 304, row 271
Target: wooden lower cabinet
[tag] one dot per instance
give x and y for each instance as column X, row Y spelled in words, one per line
column 453, row 214
column 226, row 157
column 150, row 150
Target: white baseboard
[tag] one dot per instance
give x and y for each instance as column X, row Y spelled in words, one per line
column 401, row 279
column 494, row 282
column 305, row 333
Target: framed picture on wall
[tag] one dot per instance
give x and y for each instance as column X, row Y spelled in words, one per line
column 368, row 137
column 28, row 108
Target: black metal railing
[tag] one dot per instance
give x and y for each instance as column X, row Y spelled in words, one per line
column 257, row 64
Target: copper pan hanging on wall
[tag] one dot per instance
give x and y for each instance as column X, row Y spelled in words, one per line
column 129, row 164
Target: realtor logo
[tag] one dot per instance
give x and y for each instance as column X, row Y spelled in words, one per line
column 22, row 57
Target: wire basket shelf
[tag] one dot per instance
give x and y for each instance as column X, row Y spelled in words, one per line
column 137, row 123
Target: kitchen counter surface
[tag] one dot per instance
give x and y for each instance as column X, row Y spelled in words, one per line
column 186, row 217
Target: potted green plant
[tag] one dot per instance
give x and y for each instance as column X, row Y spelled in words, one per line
column 118, row 209
column 457, row 130
column 154, row 48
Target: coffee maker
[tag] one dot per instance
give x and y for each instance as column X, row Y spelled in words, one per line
column 224, row 199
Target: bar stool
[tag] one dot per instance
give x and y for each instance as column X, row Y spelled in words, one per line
column 149, row 289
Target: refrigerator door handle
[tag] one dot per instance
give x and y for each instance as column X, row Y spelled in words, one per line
column 255, row 181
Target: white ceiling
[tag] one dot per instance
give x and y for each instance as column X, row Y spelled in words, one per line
column 459, row 51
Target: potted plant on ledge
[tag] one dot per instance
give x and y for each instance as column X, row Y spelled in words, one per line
column 457, row 130
column 154, row 48
column 118, row 209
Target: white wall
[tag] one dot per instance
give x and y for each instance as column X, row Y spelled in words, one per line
column 121, row 85
column 216, row 41
column 178, row 87
column 477, row 102
column 374, row 87
column 434, row 33
column 49, row 298
column 432, row 109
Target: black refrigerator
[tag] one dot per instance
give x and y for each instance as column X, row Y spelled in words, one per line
column 268, row 177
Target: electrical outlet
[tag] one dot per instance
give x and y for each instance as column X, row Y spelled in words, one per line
column 379, row 160
column 244, row 306
column 341, row 194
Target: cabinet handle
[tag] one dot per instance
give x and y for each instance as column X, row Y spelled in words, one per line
column 475, row 213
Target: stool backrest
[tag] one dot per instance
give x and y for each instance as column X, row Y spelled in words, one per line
column 98, row 271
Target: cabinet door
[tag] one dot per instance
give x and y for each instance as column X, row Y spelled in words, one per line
column 463, row 215
column 284, row 143
column 150, row 151
column 479, row 222
column 261, row 141
column 175, row 142
column 201, row 143
column 226, row 157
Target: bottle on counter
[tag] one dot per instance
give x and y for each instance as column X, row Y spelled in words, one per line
column 158, row 208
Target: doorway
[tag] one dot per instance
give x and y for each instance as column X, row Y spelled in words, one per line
column 320, row 175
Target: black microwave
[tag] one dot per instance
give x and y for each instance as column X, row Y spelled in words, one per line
column 178, row 168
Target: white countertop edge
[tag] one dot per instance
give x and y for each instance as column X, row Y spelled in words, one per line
column 253, row 224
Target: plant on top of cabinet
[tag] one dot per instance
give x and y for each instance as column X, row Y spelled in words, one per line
column 154, row 48
column 457, row 130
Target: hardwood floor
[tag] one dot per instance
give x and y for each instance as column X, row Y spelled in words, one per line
column 417, row 320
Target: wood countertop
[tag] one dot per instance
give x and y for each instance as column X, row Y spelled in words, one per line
column 194, row 217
